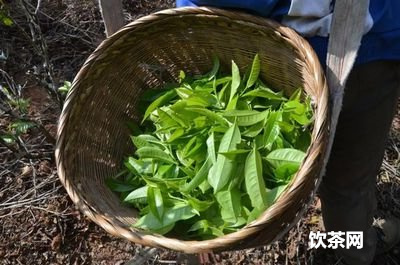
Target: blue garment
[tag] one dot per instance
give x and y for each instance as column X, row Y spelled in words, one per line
column 311, row 18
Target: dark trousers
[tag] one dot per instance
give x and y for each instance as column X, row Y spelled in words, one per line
column 347, row 190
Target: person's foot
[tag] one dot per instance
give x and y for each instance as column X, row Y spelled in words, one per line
column 388, row 233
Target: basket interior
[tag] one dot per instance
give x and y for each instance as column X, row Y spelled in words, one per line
column 107, row 90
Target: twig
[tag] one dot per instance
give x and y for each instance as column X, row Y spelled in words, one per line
column 38, row 39
column 143, row 256
column 52, row 212
column 37, row 7
column 28, row 202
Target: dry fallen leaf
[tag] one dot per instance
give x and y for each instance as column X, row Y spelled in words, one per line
column 56, row 242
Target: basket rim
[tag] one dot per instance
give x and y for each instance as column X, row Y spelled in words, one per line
column 229, row 241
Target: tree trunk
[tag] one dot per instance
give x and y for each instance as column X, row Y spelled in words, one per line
column 111, row 10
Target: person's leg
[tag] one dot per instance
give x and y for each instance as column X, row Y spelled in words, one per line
column 347, row 190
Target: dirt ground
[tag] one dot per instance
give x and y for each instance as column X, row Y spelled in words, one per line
column 38, row 222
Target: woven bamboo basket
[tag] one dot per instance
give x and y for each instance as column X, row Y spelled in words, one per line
column 93, row 137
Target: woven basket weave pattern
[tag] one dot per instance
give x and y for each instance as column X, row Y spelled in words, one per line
column 93, row 137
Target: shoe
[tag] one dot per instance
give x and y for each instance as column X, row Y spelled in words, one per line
column 388, row 234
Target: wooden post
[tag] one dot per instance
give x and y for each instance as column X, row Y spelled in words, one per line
column 111, row 11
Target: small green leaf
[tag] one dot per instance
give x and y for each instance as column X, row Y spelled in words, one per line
column 221, row 171
column 285, row 172
column 264, row 93
column 211, row 75
column 171, row 216
column 183, row 92
column 155, row 153
column 255, row 71
column 211, row 148
column 229, row 200
column 199, row 225
column 234, row 153
column 210, row 114
column 8, row 138
column 118, row 186
column 5, row 20
column 200, row 176
column 175, row 135
column 246, row 117
column 138, row 194
column 285, row 155
column 21, row 127
column 156, row 202
column 182, row 76
column 165, row 119
column 138, row 167
column 272, row 129
column 232, row 103
column 235, row 80
column 254, row 180
column 165, row 98
column 254, row 214
column 199, row 205
column 273, row 195
column 145, row 140
column 255, row 129
column 204, row 186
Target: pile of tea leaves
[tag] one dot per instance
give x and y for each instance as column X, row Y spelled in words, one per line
column 213, row 152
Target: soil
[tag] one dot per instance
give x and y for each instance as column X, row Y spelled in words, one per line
column 38, row 222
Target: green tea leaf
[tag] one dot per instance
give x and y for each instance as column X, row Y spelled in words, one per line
column 175, row 135
column 233, row 154
column 235, row 80
column 140, row 193
column 273, row 195
column 285, row 172
column 165, row 119
column 155, row 153
column 211, row 148
column 145, row 140
column 171, row 216
column 255, row 129
column 156, row 202
column 199, row 205
column 264, row 93
column 118, row 186
column 255, row 71
column 254, row 214
column 165, row 98
column 272, row 129
column 221, row 81
column 138, row 167
column 285, row 155
column 221, row 171
column 229, row 200
column 246, row 117
column 210, row 114
column 254, row 180
column 199, row 225
column 183, row 92
column 182, row 76
column 200, row 176
column 232, row 103
column 215, row 68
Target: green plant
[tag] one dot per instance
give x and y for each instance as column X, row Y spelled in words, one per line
column 5, row 19
column 65, row 87
column 215, row 152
